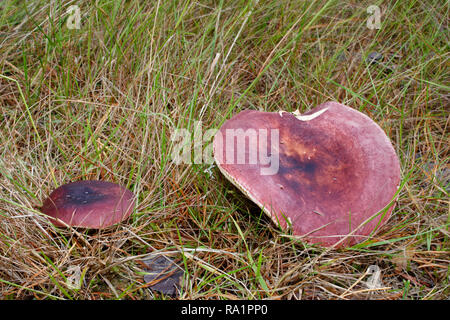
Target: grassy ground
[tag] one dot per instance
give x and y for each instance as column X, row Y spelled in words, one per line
column 102, row 101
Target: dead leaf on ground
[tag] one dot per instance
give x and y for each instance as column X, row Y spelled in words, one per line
column 162, row 274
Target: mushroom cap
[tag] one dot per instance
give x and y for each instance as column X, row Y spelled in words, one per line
column 337, row 171
column 89, row 204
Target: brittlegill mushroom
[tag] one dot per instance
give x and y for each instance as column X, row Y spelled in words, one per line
column 329, row 175
column 89, row 204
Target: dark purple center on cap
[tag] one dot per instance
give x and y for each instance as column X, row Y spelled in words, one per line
column 82, row 195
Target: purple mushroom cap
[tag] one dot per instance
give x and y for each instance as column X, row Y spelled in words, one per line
column 89, row 204
column 337, row 170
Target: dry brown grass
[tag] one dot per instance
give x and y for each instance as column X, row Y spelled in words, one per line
column 102, row 102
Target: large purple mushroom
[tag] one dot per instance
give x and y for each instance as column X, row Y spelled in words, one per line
column 327, row 174
column 89, row 204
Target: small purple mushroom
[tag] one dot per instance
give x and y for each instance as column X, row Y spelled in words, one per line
column 89, row 204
